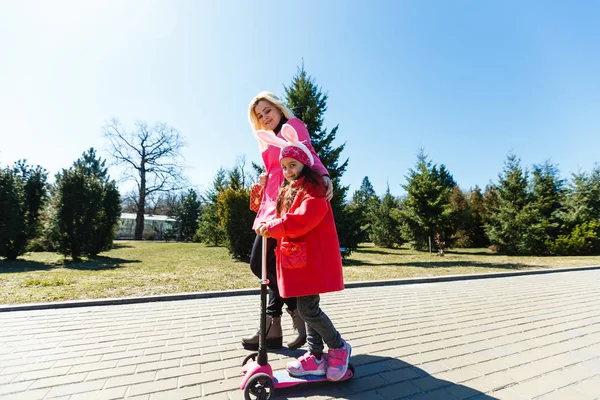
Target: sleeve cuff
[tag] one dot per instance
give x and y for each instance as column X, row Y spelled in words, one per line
column 275, row 228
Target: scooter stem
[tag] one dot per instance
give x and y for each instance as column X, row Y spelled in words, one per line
column 262, row 339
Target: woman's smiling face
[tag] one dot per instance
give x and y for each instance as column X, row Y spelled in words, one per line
column 268, row 115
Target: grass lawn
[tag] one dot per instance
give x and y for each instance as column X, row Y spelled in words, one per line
column 147, row 268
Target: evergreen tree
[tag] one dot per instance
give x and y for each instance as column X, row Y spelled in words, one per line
column 234, row 212
column 187, row 215
column 235, row 180
column 385, row 224
column 365, row 194
column 210, row 229
column 363, row 204
column 236, row 218
column 462, row 218
column 469, row 213
column 583, row 240
column 547, row 190
column 426, row 209
column 582, row 200
column 88, row 207
column 595, row 193
column 309, row 103
column 545, row 207
column 491, row 203
column 506, row 226
column 477, row 215
column 22, row 198
column 579, row 216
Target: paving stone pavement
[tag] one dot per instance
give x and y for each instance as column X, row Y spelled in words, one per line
column 526, row 337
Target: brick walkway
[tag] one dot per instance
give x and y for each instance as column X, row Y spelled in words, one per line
column 524, row 337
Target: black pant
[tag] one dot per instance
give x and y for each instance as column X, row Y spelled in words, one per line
column 275, row 303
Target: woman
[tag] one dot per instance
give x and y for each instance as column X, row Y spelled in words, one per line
column 268, row 112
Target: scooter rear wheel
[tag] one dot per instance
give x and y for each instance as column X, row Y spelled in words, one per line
column 259, row 387
column 351, row 368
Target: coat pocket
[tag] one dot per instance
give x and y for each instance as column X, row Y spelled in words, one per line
column 293, row 254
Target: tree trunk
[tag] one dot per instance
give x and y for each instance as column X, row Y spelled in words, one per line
column 139, row 218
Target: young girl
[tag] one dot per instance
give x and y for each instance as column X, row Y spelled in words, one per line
column 308, row 254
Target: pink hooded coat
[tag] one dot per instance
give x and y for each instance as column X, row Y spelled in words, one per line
column 270, row 158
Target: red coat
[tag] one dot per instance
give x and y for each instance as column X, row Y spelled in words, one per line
column 308, row 251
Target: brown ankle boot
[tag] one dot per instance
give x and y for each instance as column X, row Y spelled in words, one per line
column 299, row 331
column 274, row 337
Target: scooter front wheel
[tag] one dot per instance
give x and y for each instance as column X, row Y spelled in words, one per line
column 249, row 357
column 259, row 387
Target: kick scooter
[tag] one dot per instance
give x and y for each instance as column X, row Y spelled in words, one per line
column 259, row 381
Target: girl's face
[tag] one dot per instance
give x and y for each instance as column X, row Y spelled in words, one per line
column 268, row 115
column 291, row 168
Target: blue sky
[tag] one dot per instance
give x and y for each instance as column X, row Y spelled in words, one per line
column 468, row 81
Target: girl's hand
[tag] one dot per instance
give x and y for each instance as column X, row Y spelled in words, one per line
column 262, row 179
column 328, row 187
column 262, row 231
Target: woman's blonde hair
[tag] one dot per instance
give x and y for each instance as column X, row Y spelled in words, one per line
column 273, row 99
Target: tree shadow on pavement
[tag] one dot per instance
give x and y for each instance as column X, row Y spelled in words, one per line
column 386, row 378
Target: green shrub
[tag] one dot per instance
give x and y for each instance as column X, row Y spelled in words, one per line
column 583, row 240
column 22, row 198
column 237, row 219
column 88, row 207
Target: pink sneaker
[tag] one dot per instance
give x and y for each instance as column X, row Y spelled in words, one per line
column 337, row 360
column 307, row 365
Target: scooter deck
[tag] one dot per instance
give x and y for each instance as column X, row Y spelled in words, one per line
column 283, row 378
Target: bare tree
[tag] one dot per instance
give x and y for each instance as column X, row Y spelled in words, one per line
column 153, row 160
column 165, row 203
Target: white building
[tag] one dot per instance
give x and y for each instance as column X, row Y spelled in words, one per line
column 154, row 226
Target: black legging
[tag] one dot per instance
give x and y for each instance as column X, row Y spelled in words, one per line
column 275, row 303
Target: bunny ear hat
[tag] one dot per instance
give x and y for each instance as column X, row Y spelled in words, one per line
column 291, row 147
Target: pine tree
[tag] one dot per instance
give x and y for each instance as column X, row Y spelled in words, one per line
column 210, row 229
column 506, row 226
column 426, row 209
column 385, row 224
column 309, row 103
column 579, row 216
column 582, row 201
column 365, row 194
column 22, row 199
column 236, row 218
column 469, row 212
column 547, row 189
column 545, row 208
column 187, row 214
column 462, row 216
column 88, row 207
column 477, row 215
column 363, row 203
column 235, row 180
